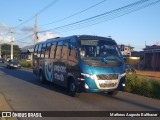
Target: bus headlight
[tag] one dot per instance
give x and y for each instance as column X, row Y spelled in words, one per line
column 88, row 75
column 86, row 86
column 122, row 75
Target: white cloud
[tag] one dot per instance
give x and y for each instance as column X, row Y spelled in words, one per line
column 42, row 37
column 3, row 37
column 47, row 35
column 3, row 26
column 6, row 39
column 27, row 29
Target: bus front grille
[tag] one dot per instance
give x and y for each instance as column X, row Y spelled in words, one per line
column 107, row 76
column 110, row 85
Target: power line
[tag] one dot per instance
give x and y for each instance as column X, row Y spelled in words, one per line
column 3, row 41
column 25, row 37
column 23, row 42
column 46, row 7
column 141, row 4
column 4, row 28
column 33, row 16
column 19, row 40
column 106, row 16
column 75, row 13
column 42, row 10
column 6, row 42
column 60, row 19
column 88, row 20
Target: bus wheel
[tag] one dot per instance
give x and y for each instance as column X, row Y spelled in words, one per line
column 41, row 77
column 72, row 89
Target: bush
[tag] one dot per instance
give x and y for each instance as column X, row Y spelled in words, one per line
column 142, row 85
column 27, row 64
column 156, row 88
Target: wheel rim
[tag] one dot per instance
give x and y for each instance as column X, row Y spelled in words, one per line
column 72, row 87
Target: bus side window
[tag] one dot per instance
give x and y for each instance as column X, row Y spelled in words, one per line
column 65, row 51
column 72, row 51
column 43, row 49
column 47, row 50
column 52, row 50
column 39, row 50
column 59, row 49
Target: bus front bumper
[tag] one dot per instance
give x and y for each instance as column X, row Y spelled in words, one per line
column 85, row 88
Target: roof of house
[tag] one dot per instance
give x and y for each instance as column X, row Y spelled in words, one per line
column 153, row 48
column 27, row 49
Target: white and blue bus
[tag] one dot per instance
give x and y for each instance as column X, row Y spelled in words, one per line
column 82, row 63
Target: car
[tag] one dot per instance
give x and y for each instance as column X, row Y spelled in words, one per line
column 13, row 64
column 1, row 60
column 130, row 69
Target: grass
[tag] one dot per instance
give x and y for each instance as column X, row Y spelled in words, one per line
column 8, row 118
column 143, row 85
column 27, row 64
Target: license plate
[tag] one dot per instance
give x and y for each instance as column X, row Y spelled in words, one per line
column 108, row 83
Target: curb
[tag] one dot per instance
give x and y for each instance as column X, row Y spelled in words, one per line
column 4, row 106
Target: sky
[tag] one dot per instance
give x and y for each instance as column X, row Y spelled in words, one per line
column 135, row 29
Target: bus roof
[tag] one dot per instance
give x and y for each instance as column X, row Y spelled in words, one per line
column 79, row 37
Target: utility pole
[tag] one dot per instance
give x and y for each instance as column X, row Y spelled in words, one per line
column 0, row 50
column 36, row 30
column 12, row 42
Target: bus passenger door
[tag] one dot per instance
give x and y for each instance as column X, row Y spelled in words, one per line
column 72, row 63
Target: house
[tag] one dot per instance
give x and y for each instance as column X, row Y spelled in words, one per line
column 152, row 57
column 27, row 52
column 126, row 49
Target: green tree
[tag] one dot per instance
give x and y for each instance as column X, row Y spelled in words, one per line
column 6, row 50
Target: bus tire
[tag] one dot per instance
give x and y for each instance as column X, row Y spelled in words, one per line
column 41, row 77
column 72, row 89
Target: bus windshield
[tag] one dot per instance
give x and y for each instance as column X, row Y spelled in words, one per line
column 100, row 52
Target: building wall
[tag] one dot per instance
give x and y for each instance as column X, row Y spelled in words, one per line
column 125, row 49
column 152, row 57
column 26, row 56
column 152, row 60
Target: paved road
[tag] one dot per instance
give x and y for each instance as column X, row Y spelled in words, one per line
column 24, row 93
